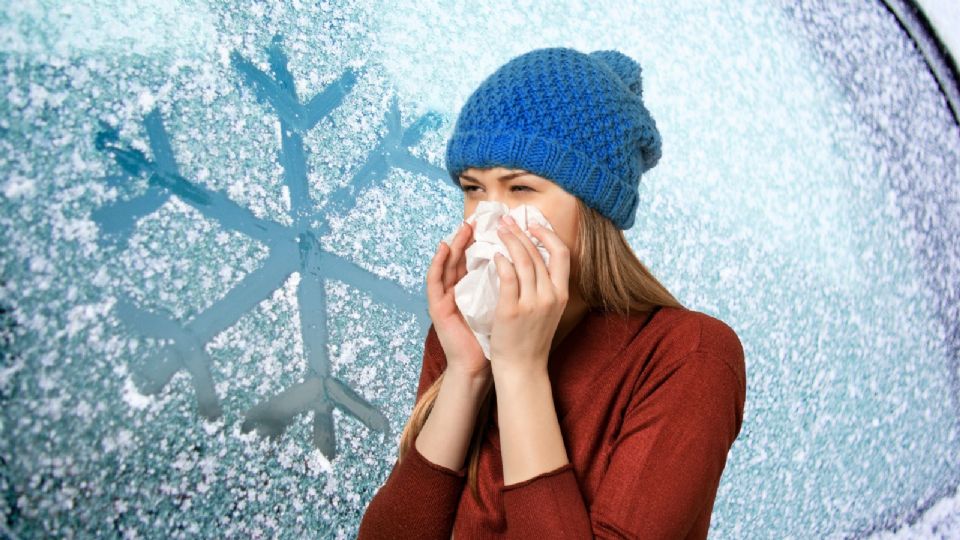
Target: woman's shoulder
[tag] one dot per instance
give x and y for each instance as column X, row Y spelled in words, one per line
column 685, row 333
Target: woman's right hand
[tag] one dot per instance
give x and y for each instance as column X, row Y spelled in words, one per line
column 460, row 346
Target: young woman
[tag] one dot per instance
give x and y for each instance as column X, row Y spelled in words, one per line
column 606, row 408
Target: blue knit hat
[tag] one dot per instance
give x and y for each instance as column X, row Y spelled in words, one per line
column 576, row 119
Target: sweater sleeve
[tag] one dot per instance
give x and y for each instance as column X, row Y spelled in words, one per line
column 419, row 498
column 665, row 465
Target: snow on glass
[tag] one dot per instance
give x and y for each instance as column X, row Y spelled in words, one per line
column 212, row 314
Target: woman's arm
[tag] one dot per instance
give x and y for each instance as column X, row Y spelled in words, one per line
column 445, row 436
column 420, row 497
column 531, row 442
column 663, row 472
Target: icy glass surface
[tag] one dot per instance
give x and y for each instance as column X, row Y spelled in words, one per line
column 216, row 222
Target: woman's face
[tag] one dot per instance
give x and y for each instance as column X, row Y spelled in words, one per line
column 515, row 187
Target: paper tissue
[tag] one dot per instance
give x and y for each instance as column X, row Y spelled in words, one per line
column 478, row 292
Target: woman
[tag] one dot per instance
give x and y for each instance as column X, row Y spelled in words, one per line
column 606, row 409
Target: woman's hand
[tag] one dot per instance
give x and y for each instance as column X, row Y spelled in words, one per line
column 532, row 300
column 460, row 346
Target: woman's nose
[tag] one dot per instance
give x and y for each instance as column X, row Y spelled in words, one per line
column 468, row 211
column 503, row 198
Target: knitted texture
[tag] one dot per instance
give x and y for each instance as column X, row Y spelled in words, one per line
column 650, row 405
column 576, row 119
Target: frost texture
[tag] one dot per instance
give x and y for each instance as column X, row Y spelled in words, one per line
column 181, row 198
column 290, row 248
column 189, row 257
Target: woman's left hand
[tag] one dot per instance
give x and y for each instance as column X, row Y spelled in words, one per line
column 532, row 300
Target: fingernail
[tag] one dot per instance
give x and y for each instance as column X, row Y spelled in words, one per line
column 509, row 220
column 533, row 225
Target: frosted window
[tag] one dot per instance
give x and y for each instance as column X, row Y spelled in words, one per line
column 216, row 224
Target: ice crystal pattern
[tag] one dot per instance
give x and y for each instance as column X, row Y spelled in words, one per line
column 291, row 248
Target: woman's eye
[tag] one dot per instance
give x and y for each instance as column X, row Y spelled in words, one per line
column 470, row 188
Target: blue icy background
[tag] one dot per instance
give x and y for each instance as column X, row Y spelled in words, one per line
column 216, row 222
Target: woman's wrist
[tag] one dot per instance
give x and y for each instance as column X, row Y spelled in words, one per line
column 445, row 436
column 476, row 379
column 519, row 373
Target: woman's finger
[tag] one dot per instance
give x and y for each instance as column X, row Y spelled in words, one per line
column 462, row 263
column 435, row 289
column 509, row 290
column 456, row 251
column 559, row 267
column 522, row 264
column 544, row 285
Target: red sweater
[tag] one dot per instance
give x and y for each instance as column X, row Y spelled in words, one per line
column 649, row 407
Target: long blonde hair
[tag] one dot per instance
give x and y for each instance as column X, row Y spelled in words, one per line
column 609, row 276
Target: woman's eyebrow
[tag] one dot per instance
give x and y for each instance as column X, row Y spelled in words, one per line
column 510, row 176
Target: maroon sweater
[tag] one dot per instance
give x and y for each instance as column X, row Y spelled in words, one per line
column 649, row 407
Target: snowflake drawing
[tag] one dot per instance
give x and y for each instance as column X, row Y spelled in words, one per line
column 292, row 248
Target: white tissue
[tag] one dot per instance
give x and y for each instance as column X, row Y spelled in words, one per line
column 478, row 292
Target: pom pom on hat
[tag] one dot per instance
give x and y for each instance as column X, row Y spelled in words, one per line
column 625, row 67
